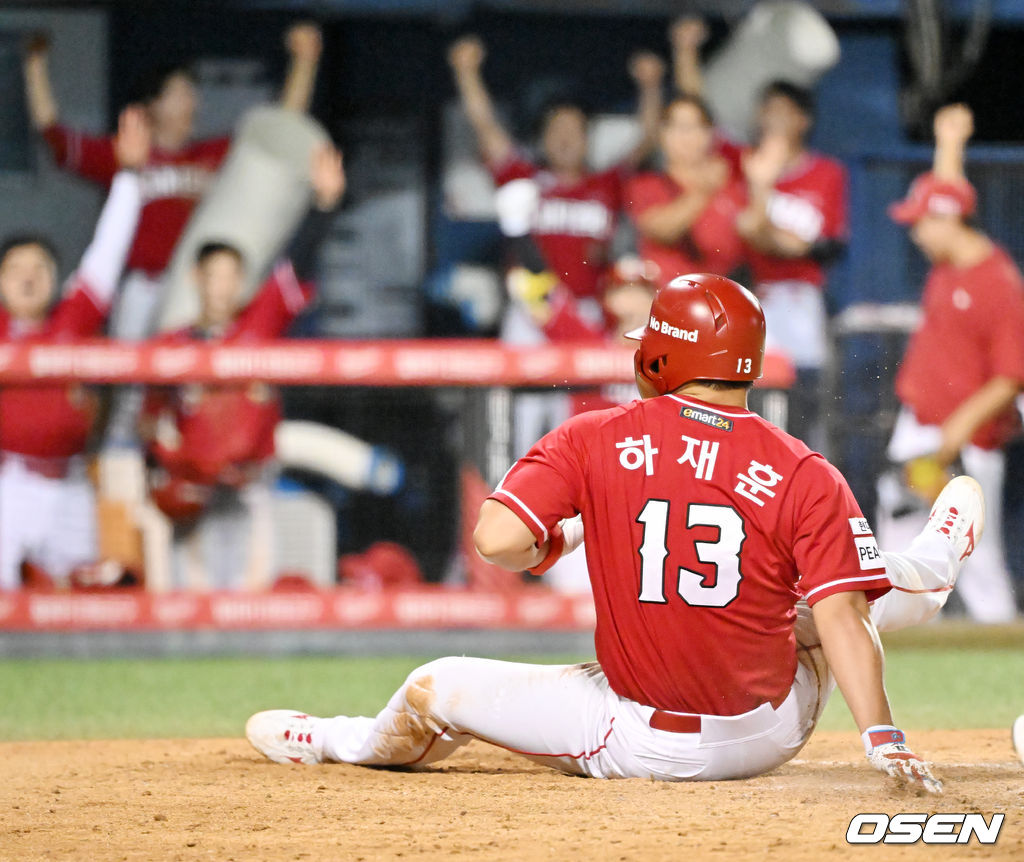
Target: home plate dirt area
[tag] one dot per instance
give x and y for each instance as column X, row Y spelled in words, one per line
column 218, row 799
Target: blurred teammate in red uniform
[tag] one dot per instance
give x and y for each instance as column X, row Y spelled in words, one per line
column 964, row 366
column 47, row 505
column 557, row 214
column 685, row 215
column 716, row 543
column 576, row 208
column 178, row 171
column 795, row 222
column 210, row 446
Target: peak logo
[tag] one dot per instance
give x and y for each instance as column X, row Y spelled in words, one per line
column 673, row 331
column 928, row 829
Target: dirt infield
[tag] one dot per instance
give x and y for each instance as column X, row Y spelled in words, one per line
column 218, row 800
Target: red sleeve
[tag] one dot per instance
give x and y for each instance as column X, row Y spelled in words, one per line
column 1007, row 345
column 278, row 302
column 515, row 167
column 833, row 546
column 645, row 191
column 78, row 314
column 157, row 398
column 89, row 156
column 546, row 484
column 566, row 324
column 214, row 149
column 731, row 152
column 834, row 200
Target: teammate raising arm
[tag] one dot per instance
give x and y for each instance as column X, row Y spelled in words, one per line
column 576, row 209
column 466, row 58
column 179, row 168
column 210, row 447
column 687, row 35
column 973, row 299
column 47, row 515
column 558, row 217
column 709, row 534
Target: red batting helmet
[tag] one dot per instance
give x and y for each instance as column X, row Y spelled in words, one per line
column 701, row 327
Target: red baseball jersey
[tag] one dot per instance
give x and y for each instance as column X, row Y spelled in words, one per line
column 710, row 245
column 703, row 527
column 809, row 201
column 222, row 427
column 51, row 421
column 172, row 184
column 573, row 225
column 972, row 331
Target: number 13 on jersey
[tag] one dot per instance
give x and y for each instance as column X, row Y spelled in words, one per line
column 723, row 554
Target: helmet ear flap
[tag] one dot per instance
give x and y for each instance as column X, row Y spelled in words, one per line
column 644, row 371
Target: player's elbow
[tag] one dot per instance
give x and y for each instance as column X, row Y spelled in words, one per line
column 489, row 543
column 499, row 533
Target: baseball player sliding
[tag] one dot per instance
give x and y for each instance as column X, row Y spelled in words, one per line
column 47, row 506
column 735, row 581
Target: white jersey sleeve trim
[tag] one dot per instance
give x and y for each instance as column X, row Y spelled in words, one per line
column 845, row 581
column 526, row 509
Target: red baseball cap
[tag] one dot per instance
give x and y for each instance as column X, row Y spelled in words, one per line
column 930, row 195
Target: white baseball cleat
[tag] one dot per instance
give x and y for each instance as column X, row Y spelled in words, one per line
column 959, row 515
column 284, row 736
column 1018, row 737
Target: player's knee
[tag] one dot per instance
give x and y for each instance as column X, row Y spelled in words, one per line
column 438, row 669
column 431, row 684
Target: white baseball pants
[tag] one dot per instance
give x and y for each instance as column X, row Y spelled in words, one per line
column 49, row 522
column 985, row 584
column 567, row 717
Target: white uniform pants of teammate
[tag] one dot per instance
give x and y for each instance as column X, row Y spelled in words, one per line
column 568, row 717
column 984, row 585
column 231, row 547
column 50, row 522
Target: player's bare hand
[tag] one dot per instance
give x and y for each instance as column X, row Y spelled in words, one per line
column 467, row 54
column 897, row 760
column 954, row 124
column 133, row 138
column 688, row 33
column 304, row 42
column 763, row 167
column 646, row 69
column 715, row 175
column 327, row 177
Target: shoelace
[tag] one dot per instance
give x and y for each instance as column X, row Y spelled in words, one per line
column 951, row 517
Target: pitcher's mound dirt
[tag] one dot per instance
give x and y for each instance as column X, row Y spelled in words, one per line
column 219, row 800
